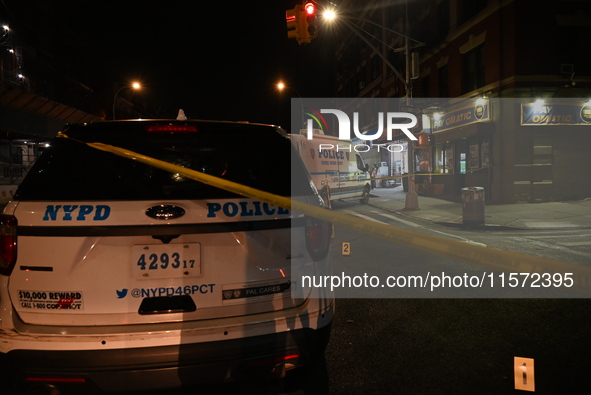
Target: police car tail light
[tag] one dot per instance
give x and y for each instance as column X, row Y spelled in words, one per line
column 172, row 129
column 8, row 238
column 318, row 235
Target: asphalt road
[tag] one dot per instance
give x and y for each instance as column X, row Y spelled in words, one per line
column 423, row 345
column 458, row 346
column 443, row 346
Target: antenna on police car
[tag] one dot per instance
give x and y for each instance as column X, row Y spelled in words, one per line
column 181, row 116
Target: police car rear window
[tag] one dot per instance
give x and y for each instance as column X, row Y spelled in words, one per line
column 71, row 170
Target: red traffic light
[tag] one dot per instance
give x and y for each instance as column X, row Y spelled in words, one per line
column 302, row 22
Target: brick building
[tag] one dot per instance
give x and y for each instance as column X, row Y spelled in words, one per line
column 524, row 62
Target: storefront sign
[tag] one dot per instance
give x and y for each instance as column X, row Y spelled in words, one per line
column 480, row 112
column 544, row 114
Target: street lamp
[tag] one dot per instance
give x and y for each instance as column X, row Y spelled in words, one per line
column 134, row 85
column 329, row 14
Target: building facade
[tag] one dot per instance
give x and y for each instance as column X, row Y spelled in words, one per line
column 503, row 99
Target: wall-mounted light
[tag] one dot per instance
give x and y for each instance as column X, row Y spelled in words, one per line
column 538, row 105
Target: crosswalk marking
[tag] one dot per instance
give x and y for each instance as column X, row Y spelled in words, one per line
column 395, row 218
column 363, row 216
column 409, row 223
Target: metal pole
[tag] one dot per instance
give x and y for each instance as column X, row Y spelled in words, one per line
column 411, row 201
column 303, row 126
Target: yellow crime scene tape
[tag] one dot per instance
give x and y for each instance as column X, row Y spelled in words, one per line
column 486, row 257
column 401, row 176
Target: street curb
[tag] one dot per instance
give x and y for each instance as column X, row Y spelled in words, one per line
column 458, row 225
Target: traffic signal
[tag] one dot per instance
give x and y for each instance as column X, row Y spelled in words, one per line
column 302, row 22
column 294, row 22
column 310, row 21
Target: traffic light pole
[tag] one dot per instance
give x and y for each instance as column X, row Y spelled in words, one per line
column 412, row 200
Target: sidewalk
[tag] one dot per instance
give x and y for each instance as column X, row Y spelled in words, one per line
column 552, row 215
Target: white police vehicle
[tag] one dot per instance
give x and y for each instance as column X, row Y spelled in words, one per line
column 336, row 168
column 118, row 276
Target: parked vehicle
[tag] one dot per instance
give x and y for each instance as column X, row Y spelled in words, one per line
column 337, row 169
column 119, row 276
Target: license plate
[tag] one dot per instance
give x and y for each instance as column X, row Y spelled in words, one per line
column 166, row 260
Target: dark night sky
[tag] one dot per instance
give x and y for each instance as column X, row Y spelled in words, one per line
column 213, row 59
column 216, row 60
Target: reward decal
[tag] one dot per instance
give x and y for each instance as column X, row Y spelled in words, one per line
column 50, row 300
column 244, row 209
column 74, row 212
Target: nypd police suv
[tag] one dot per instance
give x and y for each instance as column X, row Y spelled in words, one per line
column 116, row 275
